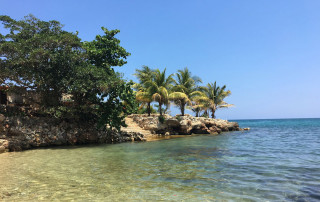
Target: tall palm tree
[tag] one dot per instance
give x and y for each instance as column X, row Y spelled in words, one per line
column 184, row 89
column 159, row 87
column 144, row 75
column 213, row 97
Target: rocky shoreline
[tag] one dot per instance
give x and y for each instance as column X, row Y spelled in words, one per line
column 183, row 125
column 22, row 133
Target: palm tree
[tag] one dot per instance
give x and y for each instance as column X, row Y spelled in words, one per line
column 144, row 75
column 184, row 89
column 196, row 108
column 159, row 87
column 213, row 97
column 145, row 98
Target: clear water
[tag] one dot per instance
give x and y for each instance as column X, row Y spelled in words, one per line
column 277, row 160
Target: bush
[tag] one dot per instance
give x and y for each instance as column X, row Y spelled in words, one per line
column 161, row 119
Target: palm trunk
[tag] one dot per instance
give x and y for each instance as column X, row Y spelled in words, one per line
column 213, row 112
column 149, row 108
column 182, row 108
column 205, row 113
column 160, row 108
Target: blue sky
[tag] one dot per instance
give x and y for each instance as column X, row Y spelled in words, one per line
column 265, row 51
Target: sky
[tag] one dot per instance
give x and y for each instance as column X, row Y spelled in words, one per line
column 267, row 52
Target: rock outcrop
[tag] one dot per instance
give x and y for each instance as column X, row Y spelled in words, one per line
column 183, row 125
column 18, row 133
column 21, row 133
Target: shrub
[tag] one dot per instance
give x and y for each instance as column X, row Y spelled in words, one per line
column 161, row 119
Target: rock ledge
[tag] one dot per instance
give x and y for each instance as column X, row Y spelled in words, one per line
column 183, row 125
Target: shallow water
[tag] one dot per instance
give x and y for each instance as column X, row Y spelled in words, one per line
column 277, row 160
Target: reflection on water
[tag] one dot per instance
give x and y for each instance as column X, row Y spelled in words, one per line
column 270, row 162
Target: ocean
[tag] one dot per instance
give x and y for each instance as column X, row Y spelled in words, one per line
column 277, row 160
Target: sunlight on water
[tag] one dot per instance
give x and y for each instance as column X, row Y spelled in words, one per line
column 276, row 160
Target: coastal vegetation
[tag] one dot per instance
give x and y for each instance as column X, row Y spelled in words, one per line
column 68, row 91
column 182, row 89
column 42, row 57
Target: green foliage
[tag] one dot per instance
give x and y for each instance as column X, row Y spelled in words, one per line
column 143, row 96
column 144, row 75
column 159, row 87
column 144, row 110
column 105, row 51
column 41, row 56
column 161, row 119
column 213, row 98
column 184, row 89
column 120, row 101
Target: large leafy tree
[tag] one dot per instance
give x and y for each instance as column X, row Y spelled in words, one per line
column 160, row 87
column 144, row 75
column 41, row 56
column 38, row 55
column 185, row 89
column 213, row 98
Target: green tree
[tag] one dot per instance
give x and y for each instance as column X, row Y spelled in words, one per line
column 185, row 89
column 39, row 55
column 42, row 57
column 160, row 87
column 97, row 89
column 144, row 75
column 213, row 97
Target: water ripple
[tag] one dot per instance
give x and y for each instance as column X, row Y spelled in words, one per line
column 278, row 160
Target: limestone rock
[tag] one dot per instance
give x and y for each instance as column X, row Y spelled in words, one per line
column 20, row 133
column 172, row 122
column 196, row 125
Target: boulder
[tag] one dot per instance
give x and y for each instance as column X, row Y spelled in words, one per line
column 233, row 126
column 196, row 124
column 185, row 127
column 201, row 130
column 173, row 122
column 209, row 123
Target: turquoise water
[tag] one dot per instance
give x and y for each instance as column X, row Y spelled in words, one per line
column 277, row 160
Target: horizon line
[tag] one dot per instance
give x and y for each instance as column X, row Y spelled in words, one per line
column 275, row 118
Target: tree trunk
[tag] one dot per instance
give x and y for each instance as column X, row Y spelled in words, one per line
column 205, row 113
column 160, row 108
column 213, row 111
column 182, row 108
column 149, row 108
